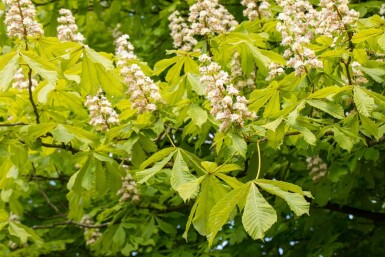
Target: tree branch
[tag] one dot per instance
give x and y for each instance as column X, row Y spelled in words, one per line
column 12, row 124
column 43, row 193
column 375, row 216
column 70, row 223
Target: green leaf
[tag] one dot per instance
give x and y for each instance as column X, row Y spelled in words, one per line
column 259, row 98
column 182, row 180
column 164, row 64
column 7, row 71
column 301, row 126
column 374, row 73
column 211, row 192
column 364, row 103
column 89, row 77
column 274, row 124
column 160, row 155
column 275, row 138
column 61, row 134
column 258, row 215
column 296, row 202
column 286, row 186
column 38, row 130
column 366, row 34
column 231, row 181
column 81, row 134
column 222, row 210
column 342, row 139
column 333, row 109
column 239, row 145
column 228, row 167
column 16, row 230
column 369, row 127
column 194, row 82
column 381, row 41
column 327, row 92
column 144, row 175
column 189, row 221
column 41, row 66
column 197, row 114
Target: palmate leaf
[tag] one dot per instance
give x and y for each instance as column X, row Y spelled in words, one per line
column 258, row 215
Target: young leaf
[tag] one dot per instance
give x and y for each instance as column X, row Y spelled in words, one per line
column 258, row 215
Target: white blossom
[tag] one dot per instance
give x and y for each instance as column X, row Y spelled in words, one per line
column 68, row 30
column 274, row 71
column 301, row 23
column 20, row 19
column 228, row 107
column 317, row 168
column 128, row 190
column 91, row 234
column 358, row 75
column 181, row 33
column 382, row 10
column 256, row 9
column 206, row 17
column 143, row 92
column 101, row 112
column 20, row 82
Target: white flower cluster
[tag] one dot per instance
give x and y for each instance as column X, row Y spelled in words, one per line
column 68, row 30
column 334, row 17
column 124, row 50
column 358, row 75
column 20, row 19
column 144, row 93
column 300, row 23
column 237, row 77
column 92, row 234
column 382, row 10
column 101, row 113
column 253, row 11
column 128, row 191
column 20, row 82
column 274, row 71
column 228, row 106
column 317, row 167
column 206, row 17
column 296, row 20
column 181, row 33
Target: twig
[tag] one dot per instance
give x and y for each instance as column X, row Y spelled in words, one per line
column 42, row 191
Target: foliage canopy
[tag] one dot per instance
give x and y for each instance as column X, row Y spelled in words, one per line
column 90, row 167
